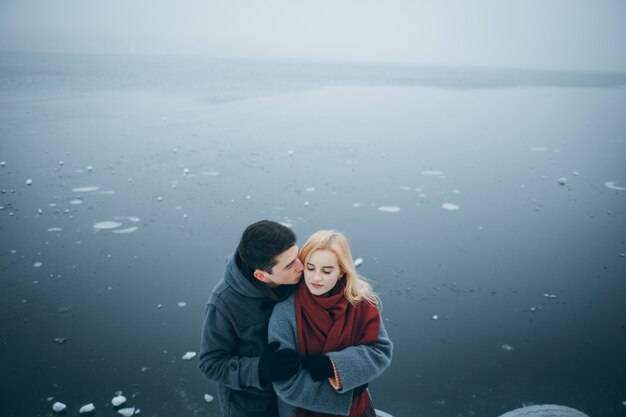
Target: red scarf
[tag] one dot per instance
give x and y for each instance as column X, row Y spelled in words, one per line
column 330, row 324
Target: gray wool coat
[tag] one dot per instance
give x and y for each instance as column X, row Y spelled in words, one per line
column 356, row 366
column 234, row 336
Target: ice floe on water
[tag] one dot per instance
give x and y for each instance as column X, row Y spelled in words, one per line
column 29, row 182
column 37, row 264
column 310, row 189
column 389, row 209
column 450, row 206
column 210, row 173
column 130, row 229
column 562, row 181
column 87, row 408
column 55, row 229
column 539, row 149
column 88, row 189
column 189, row 356
column 611, row 185
column 106, row 225
column 118, row 400
column 208, row 398
column 506, row 347
column 76, row 201
column 358, row 262
column 127, row 412
column 182, row 304
column 58, row 407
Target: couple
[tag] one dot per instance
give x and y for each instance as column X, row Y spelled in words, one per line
column 278, row 345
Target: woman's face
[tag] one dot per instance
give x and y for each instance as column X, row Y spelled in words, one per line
column 321, row 272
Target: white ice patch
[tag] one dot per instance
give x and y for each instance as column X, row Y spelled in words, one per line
column 210, row 173
column 37, row 264
column 612, row 186
column 58, row 407
column 55, row 229
column 118, row 400
column 389, row 209
column 127, row 412
column 358, row 262
column 106, row 225
column 208, row 398
column 76, row 201
column 182, row 304
column 29, row 182
column 189, row 356
column 88, row 408
column 506, row 347
column 356, row 205
column 127, row 230
column 87, row 189
column 130, row 218
column 562, row 181
column 434, row 173
column 450, row 206
column 310, row 189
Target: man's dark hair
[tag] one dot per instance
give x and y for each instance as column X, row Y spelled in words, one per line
column 262, row 242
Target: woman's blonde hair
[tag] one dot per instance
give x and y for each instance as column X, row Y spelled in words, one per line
column 357, row 288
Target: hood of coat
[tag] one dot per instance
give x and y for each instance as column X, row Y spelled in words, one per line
column 251, row 287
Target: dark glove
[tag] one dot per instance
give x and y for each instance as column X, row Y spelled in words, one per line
column 276, row 365
column 319, row 366
column 359, row 390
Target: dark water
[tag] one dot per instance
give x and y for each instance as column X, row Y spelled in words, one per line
column 186, row 152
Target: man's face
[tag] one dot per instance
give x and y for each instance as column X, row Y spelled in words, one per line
column 288, row 270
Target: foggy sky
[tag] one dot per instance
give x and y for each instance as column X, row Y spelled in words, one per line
column 550, row 34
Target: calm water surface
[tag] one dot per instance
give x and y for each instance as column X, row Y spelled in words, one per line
column 488, row 206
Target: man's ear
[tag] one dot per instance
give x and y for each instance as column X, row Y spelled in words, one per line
column 260, row 275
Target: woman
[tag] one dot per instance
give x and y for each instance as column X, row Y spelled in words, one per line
column 332, row 320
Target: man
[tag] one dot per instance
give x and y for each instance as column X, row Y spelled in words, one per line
column 234, row 351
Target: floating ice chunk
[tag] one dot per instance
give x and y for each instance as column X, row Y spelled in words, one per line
column 211, row 173
column 306, row 203
column 186, row 171
column 539, row 149
column 37, row 264
column 159, row 198
column 381, row 413
column 39, row 211
column 127, row 230
column 358, row 262
column 3, row 163
column 310, row 189
column 435, row 173
column 60, row 340
column 106, row 225
column 89, row 168
column 58, row 407
column 107, row 192
column 208, row 398
column 76, row 201
column 435, row 317
column 127, row 412
column 131, row 218
column 389, row 209
column 575, row 173
column 549, row 296
column 189, row 356
column 160, row 306
column 55, row 229
column 405, row 188
column 562, row 181
column 182, row 304
column 87, row 189
column 61, row 163
column 29, row 182
column 118, row 400
column 450, row 206
column 612, row 186
column 356, row 205
column 87, row 408
column 506, row 347
column 290, row 153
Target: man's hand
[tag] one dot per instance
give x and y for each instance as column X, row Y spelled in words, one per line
column 277, row 365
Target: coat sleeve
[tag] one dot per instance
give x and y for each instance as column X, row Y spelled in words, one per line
column 217, row 359
column 357, row 365
column 300, row 390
